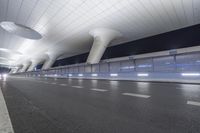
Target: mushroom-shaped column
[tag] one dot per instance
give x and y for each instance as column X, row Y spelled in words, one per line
column 19, row 67
column 13, row 70
column 25, row 66
column 35, row 62
column 102, row 38
column 50, row 61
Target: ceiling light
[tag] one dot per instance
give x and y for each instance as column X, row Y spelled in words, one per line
column 80, row 75
column 94, row 75
column 20, row 30
column 5, row 75
column 190, row 74
column 143, row 74
column 113, row 74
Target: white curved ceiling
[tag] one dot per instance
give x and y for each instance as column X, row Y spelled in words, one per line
column 65, row 24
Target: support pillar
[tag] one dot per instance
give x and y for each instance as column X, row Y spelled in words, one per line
column 49, row 62
column 102, row 38
column 19, row 67
column 34, row 64
column 25, row 66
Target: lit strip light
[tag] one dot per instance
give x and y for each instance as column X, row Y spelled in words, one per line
column 80, row 75
column 94, row 75
column 113, row 74
column 190, row 74
column 143, row 74
column 5, row 75
column 69, row 75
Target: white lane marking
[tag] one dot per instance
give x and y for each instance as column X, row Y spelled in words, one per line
column 45, row 82
column 193, row 103
column 42, row 82
column 77, row 86
column 53, row 83
column 101, row 90
column 136, row 95
column 5, row 122
column 63, row 84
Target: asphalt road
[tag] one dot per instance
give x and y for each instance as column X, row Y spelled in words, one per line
column 39, row 105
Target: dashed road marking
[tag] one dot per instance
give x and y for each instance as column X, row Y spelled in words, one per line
column 193, row 103
column 45, row 82
column 101, row 90
column 77, row 86
column 136, row 95
column 63, row 84
column 53, row 83
column 39, row 81
column 5, row 122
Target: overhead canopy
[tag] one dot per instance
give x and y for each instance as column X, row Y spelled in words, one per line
column 65, row 24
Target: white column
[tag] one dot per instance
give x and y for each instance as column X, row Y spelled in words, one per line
column 18, row 70
column 12, row 70
column 34, row 63
column 19, row 67
column 102, row 38
column 32, row 66
column 25, row 66
column 49, row 62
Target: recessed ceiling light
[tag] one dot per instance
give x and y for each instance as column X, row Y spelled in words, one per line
column 20, row 30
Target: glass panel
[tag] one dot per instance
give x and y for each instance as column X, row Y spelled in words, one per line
column 81, row 69
column 104, row 67
column 71, row 70
column 144, row 65
column 127, row 66
column 188, row 62
column 66, row 70
column 164, row 64
column 88, row 68
column 114, row 66
column 75, row 69
column 95, row 68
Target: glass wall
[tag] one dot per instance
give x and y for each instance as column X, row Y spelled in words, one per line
column 164, row 64
column 173, row 63
column 188, row 62
column 144, row 65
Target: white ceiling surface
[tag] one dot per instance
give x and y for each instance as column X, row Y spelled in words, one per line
column 65, row 24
